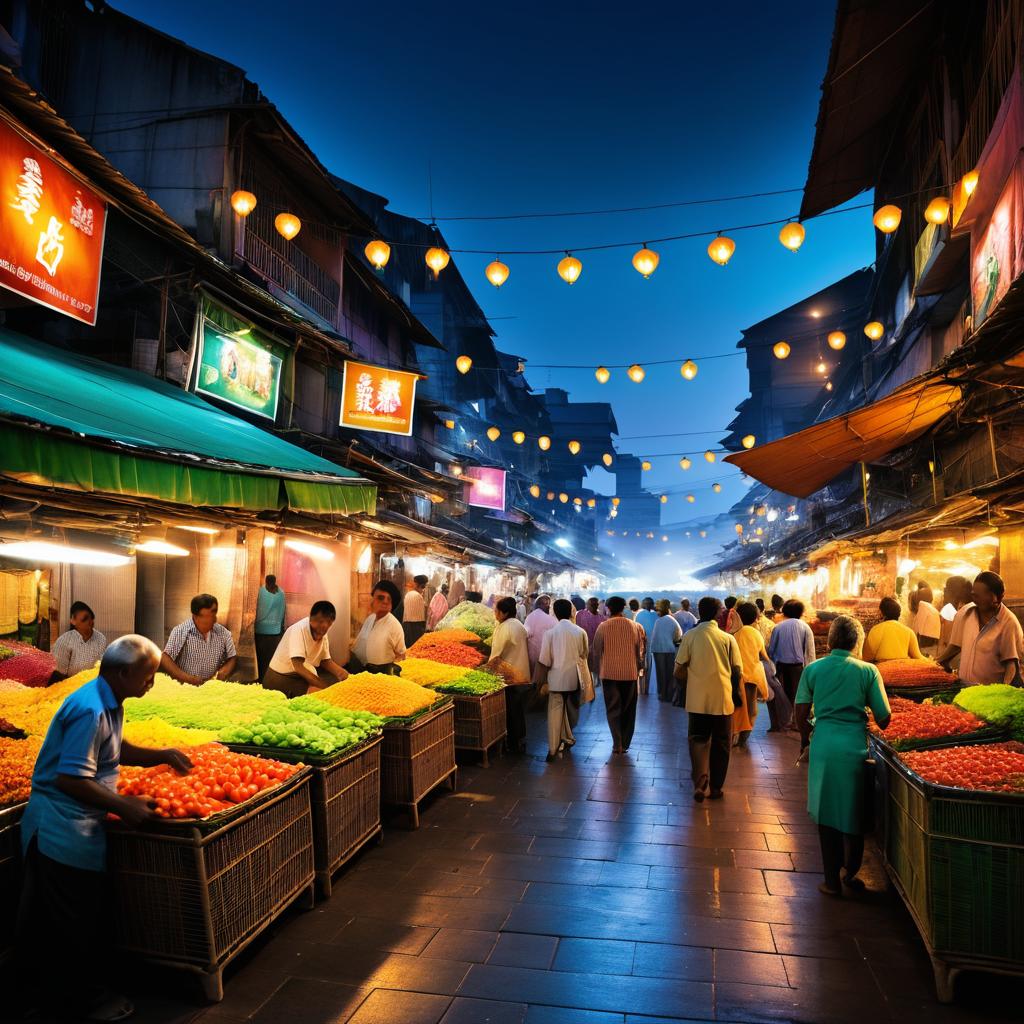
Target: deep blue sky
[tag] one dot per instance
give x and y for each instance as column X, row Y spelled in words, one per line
column 535, row 107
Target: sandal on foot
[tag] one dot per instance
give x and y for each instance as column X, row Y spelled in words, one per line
column 854, row 883
column 826, row 890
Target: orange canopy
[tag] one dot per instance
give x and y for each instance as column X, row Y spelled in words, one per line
column 802, row 463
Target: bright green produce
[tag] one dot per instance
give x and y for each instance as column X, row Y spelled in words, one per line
column 337, row 717
column 474, row 683
column 1000, row 704
column 477, row 618
column 290, row 729
column 214, row 705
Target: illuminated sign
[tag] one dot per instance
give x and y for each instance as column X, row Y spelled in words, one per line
column 997, row 248
column 240, row 368
column 376, row 398
column 51, row 230
column 485, row 487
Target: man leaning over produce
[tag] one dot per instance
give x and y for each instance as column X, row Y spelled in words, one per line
column 302, row 662
column 64, row 915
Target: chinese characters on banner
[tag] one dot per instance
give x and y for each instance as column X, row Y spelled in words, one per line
column 376, row 398
column 485, row 487
column 51, row 230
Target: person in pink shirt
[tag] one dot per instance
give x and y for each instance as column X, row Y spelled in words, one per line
column 589, row 619
column 438, row 607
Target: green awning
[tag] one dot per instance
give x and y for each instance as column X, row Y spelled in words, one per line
column 117, row 431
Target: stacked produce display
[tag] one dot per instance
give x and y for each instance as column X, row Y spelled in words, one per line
column 306, row 725
column 25, row 664
column 390, row 697
column 915, row 724
column 915, row 677
column 994, row 767
column 472, row 617
column 1000, row 705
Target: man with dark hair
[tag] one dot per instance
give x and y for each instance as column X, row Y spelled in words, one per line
column 302, row 662
column 686, row 619
column 632, row 611
column 269, row 625
column 620, row 649
column 414, row 618
column 199, row 648
column 381, row 640
column 791, row 647
column 987, row 636
column 563, row 652
column 709, row 668
column 81, row 646
column 890, row 639
column 510, row 645
column 777, row 604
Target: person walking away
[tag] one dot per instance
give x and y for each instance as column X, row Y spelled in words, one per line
column 81, row 646
column 646, row 618
column 269, row 625
column 414, row 618
column 633, row 610
column 521, row 610
column 302, row 662
column 732, row 620
column 840, row 687
column 564, row 653
column 510, row 644
column 755, row 681
column 927, row 623
column 199, row 648
column 620, row 649
column 64, row 908
column 589, row 619
column 790, row 649
column 380, row 644
column 538, row 622
column 663, row 639
column 987, row 636
column 438, row 607
column 776, row 613
column 890, row 639
column 709, row 667
column 686, row 619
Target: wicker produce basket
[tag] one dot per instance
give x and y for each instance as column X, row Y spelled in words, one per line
column 480, row 722
column 957, row 858
column 10, row 876
column 417, row 757
column 194, row 900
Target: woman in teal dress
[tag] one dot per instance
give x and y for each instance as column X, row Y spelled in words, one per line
column 839, row 687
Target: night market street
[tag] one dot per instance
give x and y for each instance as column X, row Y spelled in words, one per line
column 595, row 891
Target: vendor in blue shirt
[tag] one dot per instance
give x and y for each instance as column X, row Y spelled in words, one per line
column 269, row 625
column 64, row 913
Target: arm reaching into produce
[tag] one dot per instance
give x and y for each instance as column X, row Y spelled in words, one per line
column 148, row 757
column 227, row 668
column 170, row 668
column 132, row 809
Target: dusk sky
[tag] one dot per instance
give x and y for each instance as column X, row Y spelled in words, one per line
column 539, row 108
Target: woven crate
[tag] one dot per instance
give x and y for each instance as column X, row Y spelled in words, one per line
column 193, row 900
column 957, row 858
column 10, row 876
column 480, row 722
column 418, row 756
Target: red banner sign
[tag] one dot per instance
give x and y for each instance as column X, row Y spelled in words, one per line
column 376, row 398
column 485, row 487
column 51, row 230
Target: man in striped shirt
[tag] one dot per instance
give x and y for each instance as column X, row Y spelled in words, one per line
column 199, row 648
column 620, row 648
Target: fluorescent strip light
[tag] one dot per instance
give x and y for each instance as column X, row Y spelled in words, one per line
column 45, row 551
column 161, row 547
column 314, row 551
column 210, row 531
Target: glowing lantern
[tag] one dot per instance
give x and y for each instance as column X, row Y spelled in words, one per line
column 836, row 340
column 577, row 501
column 636, row 373
column 450, row 424
column 760, row 530
column 607, row 458
column 456, row 470
column 887, row 219
column 828, row 385
column 378, row 253
column 690, row 498
column 874, row 330
column 937, row 211
column 591, row 502
column 288, row 225
column 792, row 236
column 721, row 250
column 603, row 374
column 717, row 488
column 645, row 465
column 685, row 463
column 664, row 536
column 709, row 456
column 563, row 497
column 762, row 510
column 970, row 182
column 518, row 436
column 497, row 273
column 821, row 367
column 688, row 369
column 543, row 442
column 703, row 533
column 550, row 495
column 493, row 433
column 437, row 259
column 664, row 499
column 574, row 447
column 781, row 349
column 242, row 202
column 646, row 261
column 569, row 269
column 615, row 502
column 739, row 528
column 535, row 490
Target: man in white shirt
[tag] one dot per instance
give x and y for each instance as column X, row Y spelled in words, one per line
column 81, row 646
column 381, row 641
column 563, row 650
column 414, row 617
column 302, row 662
column 538, row 622
column 510, row 645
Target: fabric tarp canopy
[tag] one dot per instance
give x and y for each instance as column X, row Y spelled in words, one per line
column 75, row 422
column 804, row 462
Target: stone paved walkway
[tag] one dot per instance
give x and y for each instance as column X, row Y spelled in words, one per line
column 595, row 891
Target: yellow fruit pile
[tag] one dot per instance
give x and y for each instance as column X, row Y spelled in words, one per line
column 33, row 707
column 155, row 732
column 17, row 759
column 387, row 696
column 430, row 673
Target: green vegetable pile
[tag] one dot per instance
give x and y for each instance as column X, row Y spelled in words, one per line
column 5, row 652
column 474, row 682
column 1000, row 705
column 477, row 618
column 309, row 731
column 214, row 705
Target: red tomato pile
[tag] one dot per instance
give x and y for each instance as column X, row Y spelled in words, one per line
column 913, row 721
column 991, row 766
column 219, row 779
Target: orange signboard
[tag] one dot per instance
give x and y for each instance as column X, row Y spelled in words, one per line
column 51, row 230
column 376, row 398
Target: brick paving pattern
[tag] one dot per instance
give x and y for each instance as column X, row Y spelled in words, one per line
column 595, row 891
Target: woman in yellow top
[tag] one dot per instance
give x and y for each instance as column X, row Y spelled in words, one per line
column 890, row 639
column 755, row 683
